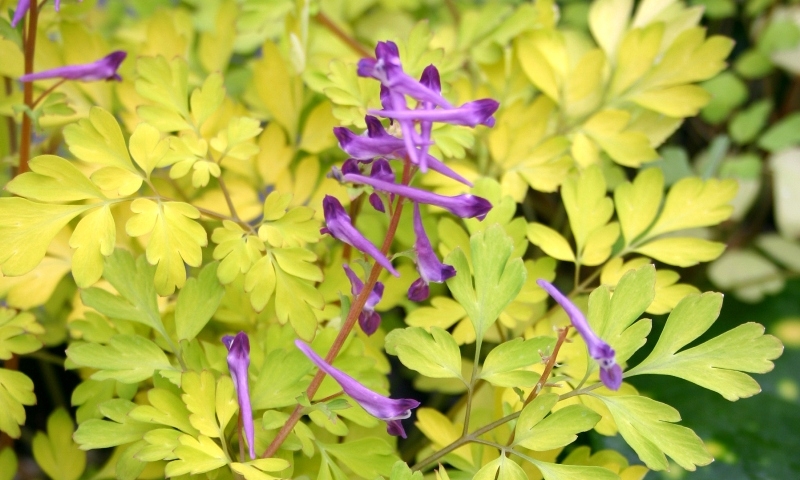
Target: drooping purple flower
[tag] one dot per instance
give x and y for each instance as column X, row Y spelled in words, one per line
column 389, row 410
column 103, row 69
column 339, row 225
column 610, row 371
column 369, row 319
column 464, row 206
column 428, row 264
column 471, row 114
column 238, row 363
column 379, row 143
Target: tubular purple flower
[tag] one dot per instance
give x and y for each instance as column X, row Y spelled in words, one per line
column 389, row 410
column 381, row 170
column 471, row 114
column 387, row 69
column 379, row 143
column 430, row 78
column 464, row 206
column 428, row 264
column 22, row 8
column 103, row 69
column 369, row 319
column 610, row 372
column 339, row 225
column 238, row 363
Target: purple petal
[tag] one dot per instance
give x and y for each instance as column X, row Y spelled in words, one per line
column 340, row 227
column 395, row 427
column 430, row 78
column 238, row 364
column 428, row 264
column 419, row 290
column 22, row 8
column 103, row 69
column 356, row 285
column 611, row 377
column 470, row 114
column 369, row 321
column 376, row 202
column 375, row 404
column 367, row 147
column 464, row 206
column 381, row 170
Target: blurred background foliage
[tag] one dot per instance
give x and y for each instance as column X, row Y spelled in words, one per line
column 749, row 132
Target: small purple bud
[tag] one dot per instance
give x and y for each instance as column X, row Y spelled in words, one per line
column 368, row 318
column 376, row 202
column 103, row 69
column 389, row 410
column 610, row 372
column 464, row 206
column 419, row 290
column 340, row 227
column 238, row 364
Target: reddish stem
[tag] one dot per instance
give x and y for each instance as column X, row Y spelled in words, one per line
column 27, row 91
column 352, row 316
column 342, row 35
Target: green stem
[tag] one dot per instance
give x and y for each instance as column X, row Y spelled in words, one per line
column 471, row 386
column 226, row 193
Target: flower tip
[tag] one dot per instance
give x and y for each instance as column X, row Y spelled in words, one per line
column 430, row 78
column 369, row 322
column 366, row 67
column 480, row 207
column 343, row 135
column 376, row 202
column 419, row 290
column 611, row 377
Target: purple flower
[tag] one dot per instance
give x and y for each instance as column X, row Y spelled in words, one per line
column 428, row 264
column 103, row 69
column 610, row 372
column 22, row 8
column 464, row 206
column 376, row 202
column 339, row 225
column 387, row 69
column 389, row 410
column 369, row 319
column 470, row 114
column 238, row 363
column 381, row 170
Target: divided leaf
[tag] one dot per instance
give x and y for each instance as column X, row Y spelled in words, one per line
column 434, row 354
column 717, row 364
column 16, row 390
column 18, row 333
column 55, row 451
column 505, row 366
column 197, row 302
column 560, row 428
column 127, row 358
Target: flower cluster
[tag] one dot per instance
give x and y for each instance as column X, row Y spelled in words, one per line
column 368, row 167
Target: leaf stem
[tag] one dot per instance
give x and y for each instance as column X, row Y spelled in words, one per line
column 350, row 321
column 342, row 35
column 227, row 194
column 27, row 89
column 47, row 92
column 471, row 386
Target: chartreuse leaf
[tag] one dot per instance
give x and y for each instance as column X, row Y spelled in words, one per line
column 236, row 249
column 236, row 140
column 281, row 379
column 693, row 203
column 207, row 99
column 292, row 228
column 93, row 239
column 441, row 431
column 401, row 471
column 717, row 364
column 782, row 134
column 280, row 91
column 16, row 390
column 18, row 333
column 609, row 130
column 433, row 354
column 537, row 432
column 26, row 230
column 648, row 427
column 612, row 317
column 175, row 238
column 197, row 302
column 366, row 457
column 501, row 467
column 55, row 452
column 637, row 202
column 505, row 366
column 94, row 433
column 318, row 129
column 126, row 358
column 165, row 408
column 589, row 211
column 133, row 279
column 609, row 459
column 497, row 277
column 255, row 469
column 555, row 471
column 8, row 464
column 211, row 403
column 608, row 20
column 147, row 147
column 166, row 85
column 668, row 291
column 98, row 140
column 682, row 251
column 550, row 241
column 53, row 179
column 195, row 456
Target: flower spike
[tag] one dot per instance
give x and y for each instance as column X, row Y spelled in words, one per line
column 610, row 372
column 103, row 69
column 238, row 362
column 339, row 225
column 465, row 205
column 428, row 264
column 369, row 319
column 389, row 410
